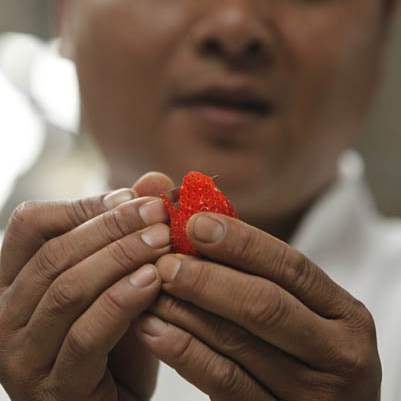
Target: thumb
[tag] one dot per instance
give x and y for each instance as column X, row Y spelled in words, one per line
column 153, row 184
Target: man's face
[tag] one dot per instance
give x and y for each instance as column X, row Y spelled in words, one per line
column 265, row 93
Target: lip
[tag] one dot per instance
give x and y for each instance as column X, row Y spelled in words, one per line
column 226, row 104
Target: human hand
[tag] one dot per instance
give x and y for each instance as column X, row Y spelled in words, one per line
column 254, row 319
column 67, row 298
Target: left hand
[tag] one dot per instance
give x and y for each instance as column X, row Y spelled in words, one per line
column 254, row 319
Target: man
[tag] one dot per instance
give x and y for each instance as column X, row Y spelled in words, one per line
column 268, row 95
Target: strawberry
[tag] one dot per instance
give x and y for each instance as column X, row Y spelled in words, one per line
column 198, row 193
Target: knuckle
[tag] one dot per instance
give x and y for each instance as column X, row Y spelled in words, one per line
column 265, row 307
column 124, row 256
column 181, row 352
column 321, row 386
column 363, row 320
column 200, row 277
column 244, row 245
column 226, row 376
column 77, row 211
column 112, row 305
column 78, row 343
column 353, row 362
column 357, row 358
column 295, row 267
column 172, row 306
column 232, row 339
column 52, row 258
column 369, row 325
column 64, row 295
column 81, row 210
column 112, row 226
column 24, row 213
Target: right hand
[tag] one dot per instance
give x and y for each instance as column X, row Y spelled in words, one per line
column 66, row 301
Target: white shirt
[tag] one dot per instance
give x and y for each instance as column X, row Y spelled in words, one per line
column 21, row 136
column 361, row 251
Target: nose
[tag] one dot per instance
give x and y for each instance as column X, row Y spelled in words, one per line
column 234, row 33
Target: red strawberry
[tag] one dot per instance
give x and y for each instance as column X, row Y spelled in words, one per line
column 198, row 193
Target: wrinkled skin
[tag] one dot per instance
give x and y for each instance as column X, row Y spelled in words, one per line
column 67, row 307
column 316, row 64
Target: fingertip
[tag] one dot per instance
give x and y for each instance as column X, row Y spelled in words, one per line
column 143, row 288
column 190, row 224
column 159, row 281
column 118, row 197
column 152, row 326
column 153, row 184
column 146, row 276
column 144, row 333
column 168, row 267
column 207, row 228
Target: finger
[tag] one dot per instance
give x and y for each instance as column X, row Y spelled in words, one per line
column 75, row 290
column 247, row 248
column 256, row 304
column 34, row 223
column 138, row 362
column 153, row 184
column 85, row 349
column 214, row 374
column 61, row 253
column 269, row 365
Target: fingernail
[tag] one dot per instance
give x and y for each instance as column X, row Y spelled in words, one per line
column 118, row 197
column 157, row 236
column 143, row 277
column 168, row 267
column 208, row 229
column 153, row 326
column 153, row 212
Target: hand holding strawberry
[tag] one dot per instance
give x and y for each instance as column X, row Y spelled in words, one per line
column 74, row 276
column 252, row 318
column 198, row 193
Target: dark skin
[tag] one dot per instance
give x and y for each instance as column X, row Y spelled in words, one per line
column 279, row 328
column 316, row 65
column 67, row 305
column 257, row 320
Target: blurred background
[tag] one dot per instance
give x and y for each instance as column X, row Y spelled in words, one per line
column 51, row 161
column 32, row 16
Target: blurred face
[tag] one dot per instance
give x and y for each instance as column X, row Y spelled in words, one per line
column 266, row 93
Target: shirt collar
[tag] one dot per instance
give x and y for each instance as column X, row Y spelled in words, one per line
column 335, row 231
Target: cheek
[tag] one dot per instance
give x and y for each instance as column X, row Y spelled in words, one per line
column 117, row 71
column 332, row 49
